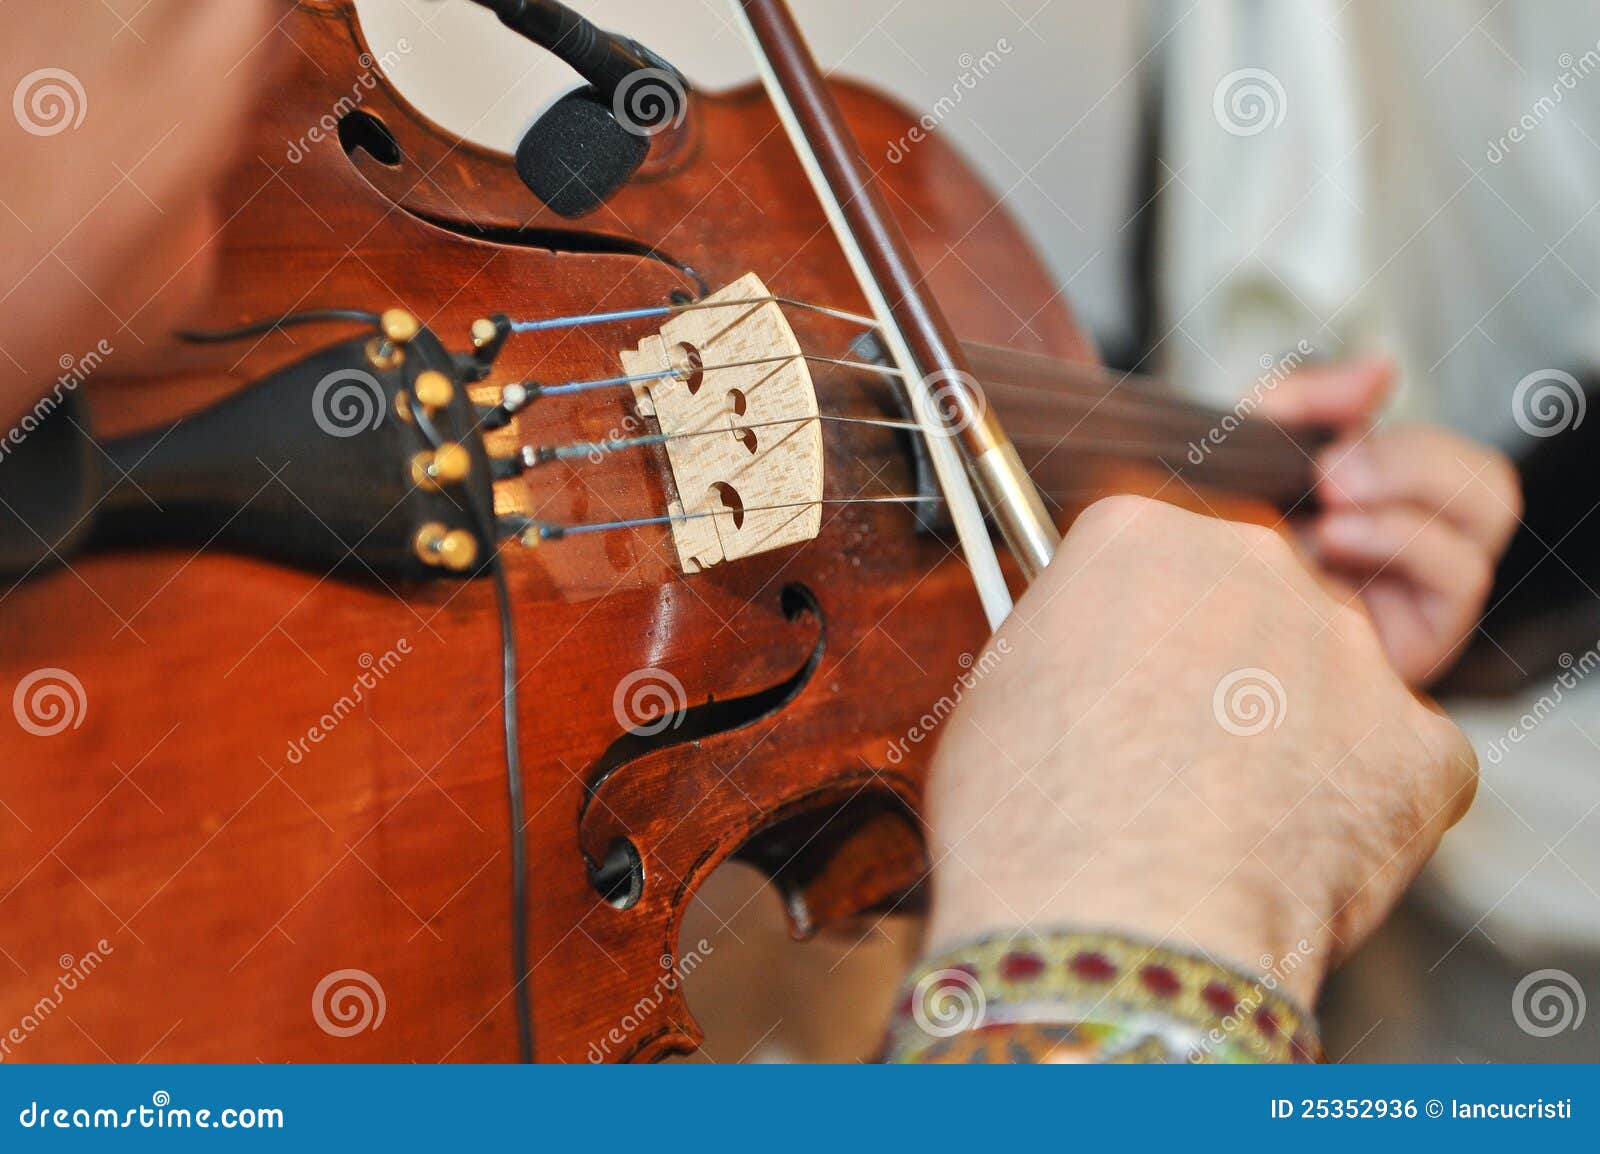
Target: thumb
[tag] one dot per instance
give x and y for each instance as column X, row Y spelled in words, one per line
column 1339, row 394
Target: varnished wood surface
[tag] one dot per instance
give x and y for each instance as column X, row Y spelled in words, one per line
column 229, row 878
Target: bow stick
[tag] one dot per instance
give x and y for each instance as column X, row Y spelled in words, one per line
column 918, row 336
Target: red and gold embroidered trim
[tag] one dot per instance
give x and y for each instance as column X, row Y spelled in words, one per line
column 1078, row 997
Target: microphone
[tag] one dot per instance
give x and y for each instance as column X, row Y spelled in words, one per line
column 589, row 144
column 578, row 154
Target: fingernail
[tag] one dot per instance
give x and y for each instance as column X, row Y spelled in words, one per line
column 1351, row 473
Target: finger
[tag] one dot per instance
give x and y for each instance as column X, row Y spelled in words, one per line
column 1340, row 394
column 1470, row 485
column 1449, row 571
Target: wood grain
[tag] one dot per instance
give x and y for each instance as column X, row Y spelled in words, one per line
column 762, row 489
column 244, row 807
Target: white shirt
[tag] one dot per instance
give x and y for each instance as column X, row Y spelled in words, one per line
column 1421, row 178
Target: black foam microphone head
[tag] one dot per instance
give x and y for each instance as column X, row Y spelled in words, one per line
column 578, row 154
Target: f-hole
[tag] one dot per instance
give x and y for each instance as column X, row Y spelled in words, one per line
column 364, row 131
column 619, row 878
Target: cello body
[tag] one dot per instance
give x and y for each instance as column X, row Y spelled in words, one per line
column 275, row 816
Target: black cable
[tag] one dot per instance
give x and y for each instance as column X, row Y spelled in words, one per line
column 519, row 841
column 257, row 328
column 508, row 668
column 609, row 61
column 514, row 793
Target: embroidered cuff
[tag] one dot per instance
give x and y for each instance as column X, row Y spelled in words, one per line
column 1083, row 997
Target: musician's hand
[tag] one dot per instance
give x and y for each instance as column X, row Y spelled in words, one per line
column 1188, row 739
column 113, row 151
column 1413, row 519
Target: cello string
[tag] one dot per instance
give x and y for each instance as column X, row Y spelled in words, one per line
column 1235, row 461
column 582, row 320
column 1112, row 446
column 570, row 388
column 1147, row 409
column 1053, row 369
column 1244, row 457
column 532, row 531
column 537, row 455
column 1122, row 394
column 1168, row 408
column 1173, row 411
column 1084, row 372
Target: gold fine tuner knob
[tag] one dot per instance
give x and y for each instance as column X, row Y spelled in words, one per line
column 446, row 465
column 433, row 389
column 452, row 549
column 398, row 326
column 483, row 331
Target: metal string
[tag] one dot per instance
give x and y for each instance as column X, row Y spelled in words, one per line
column 533, row 456
column 1154, row 408
column 573, row 387
column 584, row 319
column 545, row 531
column 1238, row 455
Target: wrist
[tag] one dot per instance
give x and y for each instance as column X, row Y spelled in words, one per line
column 1234, row 911
column 1062, row 995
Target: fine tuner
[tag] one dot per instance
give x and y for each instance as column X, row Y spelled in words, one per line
column 408, row 488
